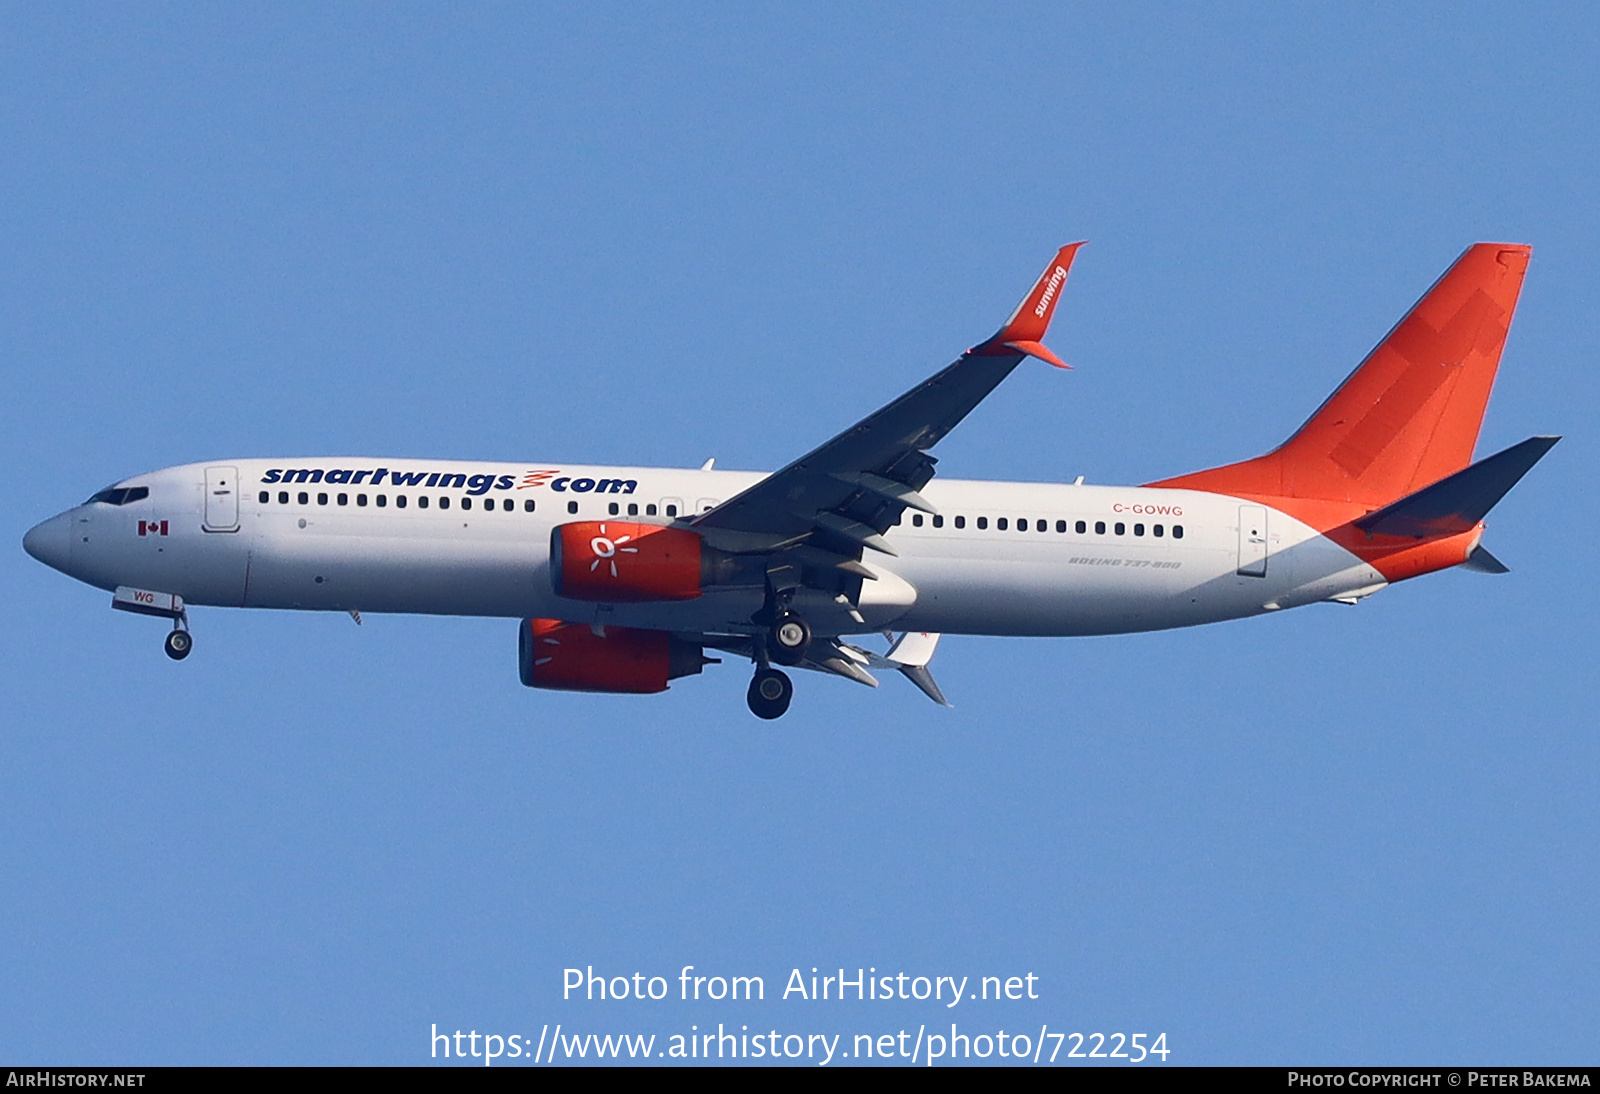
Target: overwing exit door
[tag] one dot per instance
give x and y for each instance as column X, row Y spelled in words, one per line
column 222, row 499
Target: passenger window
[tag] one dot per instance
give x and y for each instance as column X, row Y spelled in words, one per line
column 999, row 524
column 672, row 510
column 422, row 501
column 650, row 509
column 1138, row 529
column 283, row 497
column 1120, row 528
column 361, row 499
column 1157, row 530
column 509, row 505
column 1177, row 531
column 613, row 509
column 305, row 498
column 961, row 522
column 322, row 499
column 1081, row 527
column 466, row 503
column 264, row 497
column 399, row 501
column 916, row 519
column 983, row 522
column 1044, row 526
column 938, row 522
column 1061, row 526
column 383, row 500
column 444, row 503
column 344, row 499
column 572, row 507
column 633, row 508
column 1099, row 527
column 527, row 506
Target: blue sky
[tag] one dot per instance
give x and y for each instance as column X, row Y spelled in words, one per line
column 649, row 235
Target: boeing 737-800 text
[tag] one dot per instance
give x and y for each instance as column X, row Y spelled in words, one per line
column 623, row 577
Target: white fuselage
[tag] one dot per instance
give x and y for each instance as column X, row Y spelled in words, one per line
column 206, row 534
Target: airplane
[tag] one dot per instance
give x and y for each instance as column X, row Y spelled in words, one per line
column 622, row 578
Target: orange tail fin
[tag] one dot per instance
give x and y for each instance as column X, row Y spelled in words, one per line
column 1410, row 414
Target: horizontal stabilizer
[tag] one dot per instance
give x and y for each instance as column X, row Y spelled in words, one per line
column 1456, row 503
column 1481, row 561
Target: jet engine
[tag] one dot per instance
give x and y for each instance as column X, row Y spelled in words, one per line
column 579, row 657
column 617, row 561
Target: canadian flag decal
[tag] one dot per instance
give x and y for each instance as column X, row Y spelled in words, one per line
column 152, row 527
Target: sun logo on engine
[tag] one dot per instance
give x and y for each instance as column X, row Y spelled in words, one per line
column 606, row 549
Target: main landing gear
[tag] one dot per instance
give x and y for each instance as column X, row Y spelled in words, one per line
column 770, row 693
column 788, row 639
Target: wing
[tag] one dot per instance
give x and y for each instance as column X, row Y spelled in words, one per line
column 840, row 498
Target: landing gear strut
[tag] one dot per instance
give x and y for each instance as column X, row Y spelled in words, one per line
column 769, row 694
column 178, row 644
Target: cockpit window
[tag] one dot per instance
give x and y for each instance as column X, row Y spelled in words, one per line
column 120, row 495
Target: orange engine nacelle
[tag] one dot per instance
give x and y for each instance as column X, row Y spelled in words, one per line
column 613, row 561
column 578, row 657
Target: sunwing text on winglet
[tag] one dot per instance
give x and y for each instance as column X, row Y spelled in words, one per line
column 1024, row 331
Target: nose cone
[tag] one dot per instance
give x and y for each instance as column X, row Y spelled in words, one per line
column 50, row 541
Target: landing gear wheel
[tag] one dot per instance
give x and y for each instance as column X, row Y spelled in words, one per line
column 769, row 694
column 178, row 645
column 788, row 639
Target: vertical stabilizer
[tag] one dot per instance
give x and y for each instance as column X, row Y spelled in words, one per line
column 1410, row 414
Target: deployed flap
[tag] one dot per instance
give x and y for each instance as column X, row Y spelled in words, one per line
column 913, row 648
column 920, row 676
column 910, row 655
column 1456, row 503
column 846, row 494
column 838, row 657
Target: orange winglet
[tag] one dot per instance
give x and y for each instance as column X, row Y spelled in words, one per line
column 1037, row 349
column 1023, row 332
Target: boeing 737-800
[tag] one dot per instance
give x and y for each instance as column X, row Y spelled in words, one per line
column 622, row 578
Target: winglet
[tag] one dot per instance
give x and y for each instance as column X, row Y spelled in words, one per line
column 1023, row 331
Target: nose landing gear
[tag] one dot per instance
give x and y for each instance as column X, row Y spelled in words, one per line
column 178, row 644
column 164, row 606
column 769, row 694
